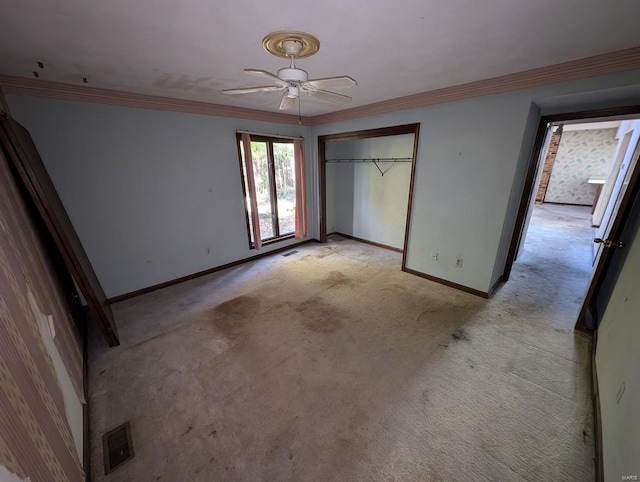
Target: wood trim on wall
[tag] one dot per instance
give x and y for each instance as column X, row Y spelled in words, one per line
column 597, row 414
column 83, row 93
column 356, row 135
column 215, row 269
column 450, row 284
column 532, row 170
column 24, row 156
column 608, row 63
column 4, row 106
column 410, row 201
column 366, row 241
column 612, row 62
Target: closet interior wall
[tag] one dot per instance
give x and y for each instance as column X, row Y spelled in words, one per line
column 368, row 188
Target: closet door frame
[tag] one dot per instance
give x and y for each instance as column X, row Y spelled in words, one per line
column 366, row 134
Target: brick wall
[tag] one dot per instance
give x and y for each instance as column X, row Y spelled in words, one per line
column 548, row 164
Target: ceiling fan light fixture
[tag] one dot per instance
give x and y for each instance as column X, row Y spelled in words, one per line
column 293, row 81
column 285, row 43
column 293, row 75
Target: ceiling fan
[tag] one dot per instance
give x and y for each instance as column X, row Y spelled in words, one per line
column 292, row 80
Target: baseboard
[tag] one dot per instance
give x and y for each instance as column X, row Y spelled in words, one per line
column 565, row 204
column 86, row 428
column 448, row 283
column 366, row 241
column 495, row 286
column 215, row 269
column 597, row 416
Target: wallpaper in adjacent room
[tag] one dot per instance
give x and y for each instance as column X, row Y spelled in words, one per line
column 35, row 436
column 581, row 154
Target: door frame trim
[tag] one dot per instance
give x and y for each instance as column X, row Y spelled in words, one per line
column 365, row 134
column 534, row 164
column 16, row 141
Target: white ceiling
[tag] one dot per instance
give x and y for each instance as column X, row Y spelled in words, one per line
column 192, row 49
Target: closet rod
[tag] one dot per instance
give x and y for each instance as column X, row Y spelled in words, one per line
column 372, row 159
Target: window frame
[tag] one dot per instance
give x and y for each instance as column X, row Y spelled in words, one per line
column 272, row 188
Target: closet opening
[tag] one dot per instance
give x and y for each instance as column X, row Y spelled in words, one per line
column 366, row 185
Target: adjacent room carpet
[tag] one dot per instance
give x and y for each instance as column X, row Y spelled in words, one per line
column 333, row 364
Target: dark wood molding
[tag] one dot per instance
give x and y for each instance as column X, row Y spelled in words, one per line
column 369, row 133
column 366, row 241
column 322, row 177
column 215, row 269
column 356, row 135
column 244, row 190
column 445, row 282
column 407, row 225
column 527, row 191
column 86, row 409
column 532, row 170
column 566, row 204
column 24, row 156
column 597, row 414
column 4, row 106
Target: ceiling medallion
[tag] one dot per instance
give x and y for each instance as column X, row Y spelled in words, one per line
column 274, row 43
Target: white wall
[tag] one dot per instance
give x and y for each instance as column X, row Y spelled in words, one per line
column 472, row 161
column 617, row 362
column 149, row 192
column 366, row 204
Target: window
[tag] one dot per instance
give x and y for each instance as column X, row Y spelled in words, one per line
column 273, row 188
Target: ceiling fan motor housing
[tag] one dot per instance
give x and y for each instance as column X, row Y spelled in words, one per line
column 293, row 75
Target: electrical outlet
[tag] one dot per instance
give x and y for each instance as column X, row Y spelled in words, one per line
column 434, row 256
column 458, row 262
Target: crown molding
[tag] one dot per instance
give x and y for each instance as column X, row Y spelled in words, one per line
column 603, row 64
column 83, row 93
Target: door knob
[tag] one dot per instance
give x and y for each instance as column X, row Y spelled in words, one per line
column 608, row 243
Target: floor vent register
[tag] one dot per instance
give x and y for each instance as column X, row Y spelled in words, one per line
column 117, row 447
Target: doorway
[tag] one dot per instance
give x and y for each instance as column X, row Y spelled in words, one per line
column 366, row 180
column 576, row 195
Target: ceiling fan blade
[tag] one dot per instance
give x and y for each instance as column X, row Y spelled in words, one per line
column 266, row 75
column 287, row 102
column 333, row 82
column 330, row 96
column 251, row 90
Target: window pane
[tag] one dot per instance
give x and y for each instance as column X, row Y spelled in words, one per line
column 263, row 188
column 285, row 186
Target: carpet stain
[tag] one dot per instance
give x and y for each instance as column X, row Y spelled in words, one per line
column 319, row 316
column 460, row 335
column 231, row 316
column 239, row 305
column 336, row 278
column 323, row 253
